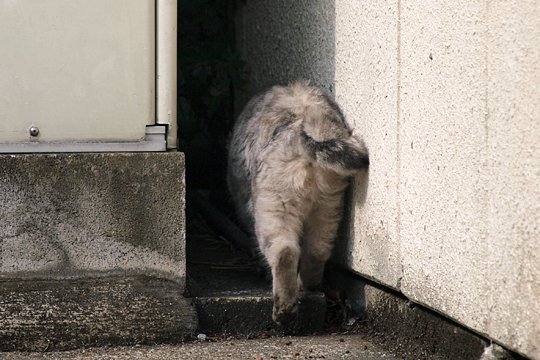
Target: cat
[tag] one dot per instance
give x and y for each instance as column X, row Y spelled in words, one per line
column 290, row 158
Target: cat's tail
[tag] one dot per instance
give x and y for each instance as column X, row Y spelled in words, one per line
column 324, row 131
column 344, row 156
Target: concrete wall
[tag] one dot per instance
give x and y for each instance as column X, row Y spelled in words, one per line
column 85, row 215
column 446, row 97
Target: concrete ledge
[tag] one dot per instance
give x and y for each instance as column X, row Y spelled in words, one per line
column 74, row 229
column 65, row 215
column 45, row 315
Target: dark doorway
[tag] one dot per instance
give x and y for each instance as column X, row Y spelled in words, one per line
column 211, row 73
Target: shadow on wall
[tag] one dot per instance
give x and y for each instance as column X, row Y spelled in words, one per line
column 355, row 197
column 295, row 37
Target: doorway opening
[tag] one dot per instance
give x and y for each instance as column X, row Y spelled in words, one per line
column 222, row 258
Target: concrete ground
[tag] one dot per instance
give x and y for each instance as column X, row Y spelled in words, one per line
column 309, row 347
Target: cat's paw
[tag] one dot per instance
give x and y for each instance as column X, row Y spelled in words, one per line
column 284, row 312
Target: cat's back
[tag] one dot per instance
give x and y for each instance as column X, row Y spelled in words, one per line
column 291, row 140
column 282, row 109
column 291, row 121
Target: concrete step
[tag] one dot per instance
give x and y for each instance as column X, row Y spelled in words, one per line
column 250, row 315
column 45, row 315
column 238, row 300
column 305, row 347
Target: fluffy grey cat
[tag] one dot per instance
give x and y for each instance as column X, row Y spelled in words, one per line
column 290, row 157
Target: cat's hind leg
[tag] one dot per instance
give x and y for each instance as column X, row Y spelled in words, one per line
column 278, row 232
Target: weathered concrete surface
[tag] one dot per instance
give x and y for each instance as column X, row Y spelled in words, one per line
column 445, row 96
column 513, row 201
column 284, row 40
column 365, row 87
column 407, row 329
column 443, row 159
column 470, row 165
column 312, row 347
column 67, row 224
column 74, row 214
column 250, row 316
column 46, row 315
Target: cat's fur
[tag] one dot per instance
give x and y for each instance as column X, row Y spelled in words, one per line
column 290, row 157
